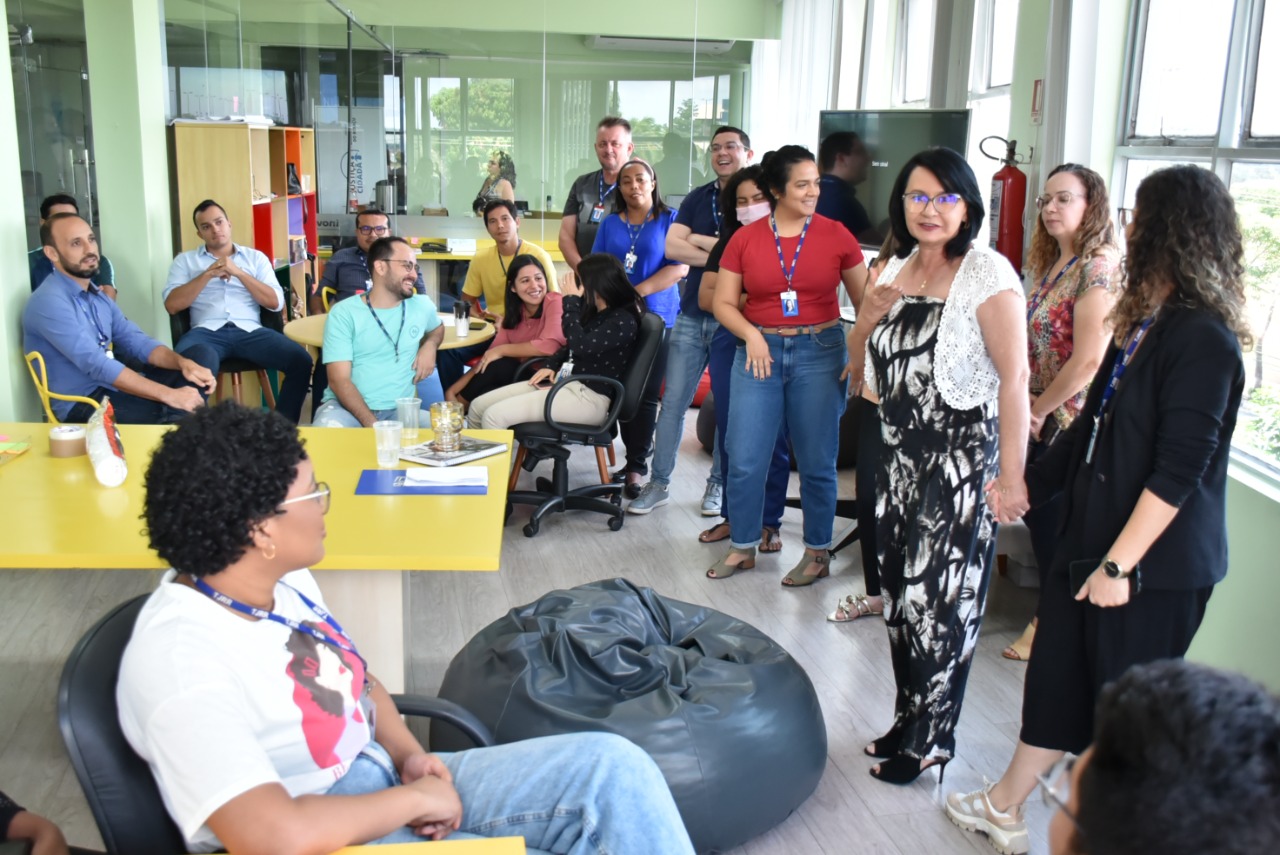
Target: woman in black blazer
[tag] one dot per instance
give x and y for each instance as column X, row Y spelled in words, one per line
column 1143, row 473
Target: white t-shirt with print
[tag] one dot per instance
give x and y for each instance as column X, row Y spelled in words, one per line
column 217, row 704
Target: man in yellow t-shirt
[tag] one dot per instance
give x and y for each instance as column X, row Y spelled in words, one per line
column 487, row 278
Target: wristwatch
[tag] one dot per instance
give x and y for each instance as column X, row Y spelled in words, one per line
column 1114, row 570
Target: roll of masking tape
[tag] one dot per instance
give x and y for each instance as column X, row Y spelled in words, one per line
column 66, row 441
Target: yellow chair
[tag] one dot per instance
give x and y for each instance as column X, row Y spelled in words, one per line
column 327, row 294
column 41, row 379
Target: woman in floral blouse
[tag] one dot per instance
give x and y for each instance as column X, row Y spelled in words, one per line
column 1072, row 265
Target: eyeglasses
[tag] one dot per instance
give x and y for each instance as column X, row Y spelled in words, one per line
column 320, row 494
column 730, row 147
column 373, row 230
column 408, row 266
column 942, row 203
column 1055, row 786
column 1062, row 197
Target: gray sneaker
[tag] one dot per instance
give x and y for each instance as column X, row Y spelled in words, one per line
column 651, row 496
column 711, row 499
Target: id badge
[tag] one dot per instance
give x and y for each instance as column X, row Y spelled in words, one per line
column 790, row 304
column 1093, row 440
column 109, row 353
column 597, row 213
column 368, row 285
column 565, row 371
column 629, row 262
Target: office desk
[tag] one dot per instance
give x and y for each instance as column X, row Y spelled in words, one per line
column 59, row 517
column 309, row 331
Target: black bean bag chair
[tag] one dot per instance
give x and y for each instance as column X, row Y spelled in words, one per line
column 731, row 719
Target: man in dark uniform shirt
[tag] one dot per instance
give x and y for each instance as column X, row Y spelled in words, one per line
column 586, row 205
column 844, row 162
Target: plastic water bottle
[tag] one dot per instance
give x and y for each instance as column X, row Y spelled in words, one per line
column 106, row 451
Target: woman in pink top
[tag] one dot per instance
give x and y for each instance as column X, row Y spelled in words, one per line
column 530, row 327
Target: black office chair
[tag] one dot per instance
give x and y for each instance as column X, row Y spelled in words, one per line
column 180, row 325
column 550, row 438
column 117, row 783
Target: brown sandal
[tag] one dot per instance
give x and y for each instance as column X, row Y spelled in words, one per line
column 770, row 540
column 715, row 534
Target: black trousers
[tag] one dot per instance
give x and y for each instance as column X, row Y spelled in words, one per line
column 1081, row 647
column 870, row 442
column 637, row 434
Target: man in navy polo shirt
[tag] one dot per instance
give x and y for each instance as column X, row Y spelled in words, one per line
column 347, row 272
column 41, row 266
column 226, row 286
column 844, row 162
column 691, row 237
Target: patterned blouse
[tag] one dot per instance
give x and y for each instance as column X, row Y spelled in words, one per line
column 1051, row 327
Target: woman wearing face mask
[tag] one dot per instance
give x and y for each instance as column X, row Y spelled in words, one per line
column 791, row 368
column 637, row 236
column 530, row 327
column 743, row 202
column 1073, row 265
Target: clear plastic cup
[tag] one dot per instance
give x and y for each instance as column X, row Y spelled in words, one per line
column 407, row 410
column 387, row 435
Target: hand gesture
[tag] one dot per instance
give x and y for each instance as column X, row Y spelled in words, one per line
column 1008, row 499
column 1103, row 591
column 218, row 270
column 198, row 374
column 424, row 363
column 422, row 764
column 543, row 377
column 184, row 398
column 569, row 284
column 878, row 299
column 231, row 268
column 759, row 359
column 441, row 809
column 854, row 371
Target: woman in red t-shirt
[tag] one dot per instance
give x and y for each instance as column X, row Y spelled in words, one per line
column 792, row 361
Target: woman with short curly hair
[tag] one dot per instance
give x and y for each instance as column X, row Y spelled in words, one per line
column 254, row 708
column 1143, row 472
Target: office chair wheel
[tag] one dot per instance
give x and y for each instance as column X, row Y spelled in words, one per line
column 530, row 529
column 615, row 523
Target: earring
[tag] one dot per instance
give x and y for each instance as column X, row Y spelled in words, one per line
column 269, row 556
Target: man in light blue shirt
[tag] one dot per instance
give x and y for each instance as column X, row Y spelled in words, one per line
column 378, row 345
column 226, row 287
column 91, row 349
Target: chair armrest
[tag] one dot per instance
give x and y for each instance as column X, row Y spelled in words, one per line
column 609, row 418
column 529, row 367
column 448, row 712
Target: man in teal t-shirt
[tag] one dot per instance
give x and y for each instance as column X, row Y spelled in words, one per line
column 379, row 345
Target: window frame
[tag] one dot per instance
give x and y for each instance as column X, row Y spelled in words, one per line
column 900, row 57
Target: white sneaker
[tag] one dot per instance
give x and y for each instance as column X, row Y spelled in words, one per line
column 651, row 496
column 711, row 499
column 1007, row 832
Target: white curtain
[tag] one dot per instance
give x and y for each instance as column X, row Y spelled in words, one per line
column 792, row 78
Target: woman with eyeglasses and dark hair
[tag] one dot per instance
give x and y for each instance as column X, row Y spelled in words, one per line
column 790, row 368
column 1073, row 266
column 500, row 183
column 945, row 350
column 531, row 326
column 636, row 235
column 600, row 322
column 1183, row 762
column 1143, row 473
column 256, row 714
column 743, row 202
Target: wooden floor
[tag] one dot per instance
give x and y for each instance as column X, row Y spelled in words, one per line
column 42, row 614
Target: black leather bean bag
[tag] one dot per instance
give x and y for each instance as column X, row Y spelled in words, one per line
column 731, row 719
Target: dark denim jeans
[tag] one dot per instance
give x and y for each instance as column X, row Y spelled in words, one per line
column 132, row 410
column 262, row 346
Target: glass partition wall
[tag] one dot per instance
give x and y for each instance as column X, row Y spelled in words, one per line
column 408, row 117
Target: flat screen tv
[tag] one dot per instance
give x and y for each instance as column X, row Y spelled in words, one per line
column 891, row 137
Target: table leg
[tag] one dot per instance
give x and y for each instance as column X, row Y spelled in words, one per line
column 370, row 606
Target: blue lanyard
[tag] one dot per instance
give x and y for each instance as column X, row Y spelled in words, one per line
column 396, row 343
column 91, row 314
column 262, row 614
column 1121, row 363
column 604, row 192
column 795, row 259
column 1043, row 292
column 634, row 235
column 715, row 205
column 503, row 266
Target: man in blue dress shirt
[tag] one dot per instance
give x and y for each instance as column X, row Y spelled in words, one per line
column 225, row 287
column 91, row 349
column 41, row 267
column 689, row 240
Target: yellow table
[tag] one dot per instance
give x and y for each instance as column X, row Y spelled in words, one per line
column 309, row 331
column 59, row 517
column 492, row 846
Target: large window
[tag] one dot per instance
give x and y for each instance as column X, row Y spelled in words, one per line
column 995, row 25
column 1202, row 90
column 915, row 51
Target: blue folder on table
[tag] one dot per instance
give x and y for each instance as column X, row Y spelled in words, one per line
column 391, row 482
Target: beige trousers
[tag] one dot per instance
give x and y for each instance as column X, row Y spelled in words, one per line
column 519, row 402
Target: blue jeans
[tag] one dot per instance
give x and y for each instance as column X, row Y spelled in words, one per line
column 333, row 414
column 262, row 346
column 575, row 793
column 724, row 345
column 686, row 360
column 805, row 392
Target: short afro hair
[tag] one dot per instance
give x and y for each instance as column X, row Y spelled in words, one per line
column 220, row 473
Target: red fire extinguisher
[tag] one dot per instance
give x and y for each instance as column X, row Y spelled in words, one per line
column 1008, row 199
